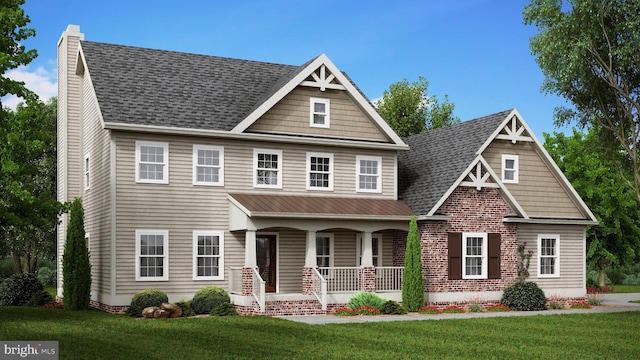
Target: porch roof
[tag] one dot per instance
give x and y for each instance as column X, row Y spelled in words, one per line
column 259, row 205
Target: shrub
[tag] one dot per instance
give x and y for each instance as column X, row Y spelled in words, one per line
column 144, row 299
column 208, row 299
column 556, row 302
column 46, row 275
column 524, row 296
column 615, row 275
column 224, row 309
column 392, row 308
column 364, row 298
column 476, row 304
column 40, row 298
column 412, row 281
column 187, row 310
column 430, row 310
column 18, row 289
column 76, row 268
column 594, row 299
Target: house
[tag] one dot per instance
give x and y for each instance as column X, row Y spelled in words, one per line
column 283, row 185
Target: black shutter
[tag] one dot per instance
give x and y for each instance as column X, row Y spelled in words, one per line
column 494, row 256
column 455, row 256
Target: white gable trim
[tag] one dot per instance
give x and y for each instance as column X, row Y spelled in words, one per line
column 83, row 69
column 480, row 161
column 546, row 158
column 299, row 79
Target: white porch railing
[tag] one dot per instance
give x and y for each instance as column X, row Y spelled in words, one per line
column 319, row 288
column 257, row 289
column 389, row 278
column 341, row 279
column 235, row 280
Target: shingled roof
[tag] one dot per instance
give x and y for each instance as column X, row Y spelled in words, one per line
column 438, row 158
column 165, row 88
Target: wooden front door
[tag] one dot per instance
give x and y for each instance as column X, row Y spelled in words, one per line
column 266, row 259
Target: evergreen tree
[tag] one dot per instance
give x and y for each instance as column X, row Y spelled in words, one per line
column 76, row 268
column 412, row 282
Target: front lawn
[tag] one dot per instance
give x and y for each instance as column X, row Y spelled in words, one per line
column 97, row 335
column 623, row 289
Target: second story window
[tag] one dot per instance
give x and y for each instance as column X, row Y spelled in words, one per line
column 319, row 115
column 319, row 171
column 510, row 169
column 267, row 168
column 152, row 162
column 369, row 174
column 87, row 170
column 208, row 165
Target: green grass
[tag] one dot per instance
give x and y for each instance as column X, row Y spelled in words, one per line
column 623, row 289
column 97, row 335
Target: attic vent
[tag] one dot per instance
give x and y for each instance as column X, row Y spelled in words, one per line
column 514, row 131
column 322, row 78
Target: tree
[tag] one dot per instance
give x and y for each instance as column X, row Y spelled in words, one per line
column 589, row 53
column 12, row 32
column 28, row 215
column 616, row 240
column 76, row 268
column 410, row 110
column 412, row 282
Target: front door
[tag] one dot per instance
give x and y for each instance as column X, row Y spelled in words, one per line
column 266, row 259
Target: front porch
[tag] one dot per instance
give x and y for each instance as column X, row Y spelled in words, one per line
column 323, row 289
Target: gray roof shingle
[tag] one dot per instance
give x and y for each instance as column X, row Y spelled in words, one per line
column 165, row 88
column 438, row 158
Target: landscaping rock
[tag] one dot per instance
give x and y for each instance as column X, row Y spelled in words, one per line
column 159, row 314
column 174, row 310
column 149, row 312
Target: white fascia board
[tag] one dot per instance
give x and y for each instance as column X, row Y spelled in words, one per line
column 550, row 221
column 299, row 78
column 82, row 61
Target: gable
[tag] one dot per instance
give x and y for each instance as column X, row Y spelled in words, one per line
column 291, row 116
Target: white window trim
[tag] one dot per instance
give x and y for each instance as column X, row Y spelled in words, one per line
column 86, row 169
column 165, row 173
column 220, row 235
column 87, row 240
column 327, row 119
column 378, row 189
column 220, row 167
column 255, row 168
column 556, row 267
column 165, row 245
column 516, row 170
column 323, row 155
column 485, row 258
column 359, row 248
column 330, row 274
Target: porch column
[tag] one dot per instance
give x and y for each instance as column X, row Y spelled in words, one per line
column 310, row 263
column 250, row 262
column 367, row 249
column 367, row 271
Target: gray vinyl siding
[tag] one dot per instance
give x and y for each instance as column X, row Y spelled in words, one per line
column 97, row 199
column 292, row 116
column 291, row 255
column 538, row 191
column 572, row 254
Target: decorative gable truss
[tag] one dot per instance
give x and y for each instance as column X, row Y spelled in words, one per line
column 323, row 78
column 514, row 130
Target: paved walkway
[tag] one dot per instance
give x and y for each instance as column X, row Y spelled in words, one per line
column 610, row 303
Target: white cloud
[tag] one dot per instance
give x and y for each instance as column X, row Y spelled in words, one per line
column 41, row 81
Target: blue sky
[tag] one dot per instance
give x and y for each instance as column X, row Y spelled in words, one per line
column 476, row 51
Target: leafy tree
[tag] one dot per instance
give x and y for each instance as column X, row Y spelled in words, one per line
column 589, row 52
column 12, row 32
column 412, row 282
column 76, row 268
column 410, row 110
column 28, row 215
column 616, row 240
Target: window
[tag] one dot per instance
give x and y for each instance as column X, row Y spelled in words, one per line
column 152, row 162
column 369, row 172
column 152, row 259
column 548, row 252
column 376, row 248
column 319, row 171
column 510, row 169
column 474, row 255
column 267, row 165
column 324, row 252
column 319, row 115
column 87, row 238
column 208, row 165
column 208, row 255
column 86, row 171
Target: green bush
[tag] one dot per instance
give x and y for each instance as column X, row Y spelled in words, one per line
column 392, row 308
column 6, row 268
column 208, row 299
column 224, row 309
column 615, row 275
column 366, row 299
column 145, row 299
column 524, row 296
column 40, row 298
column 18, row 289
column 187, row 310
column 76, row 267
column 412, row 281
column 46, row 275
